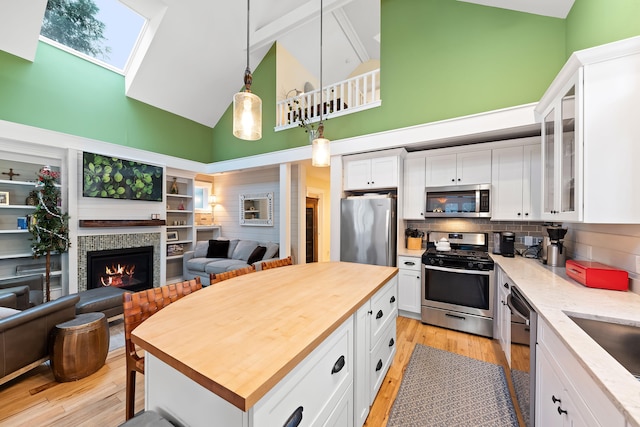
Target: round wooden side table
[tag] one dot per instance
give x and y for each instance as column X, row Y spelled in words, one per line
column 79, row 347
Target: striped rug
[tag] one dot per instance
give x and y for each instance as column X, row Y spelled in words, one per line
column 440, row 388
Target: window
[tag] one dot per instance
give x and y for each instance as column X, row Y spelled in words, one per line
column 102, row 31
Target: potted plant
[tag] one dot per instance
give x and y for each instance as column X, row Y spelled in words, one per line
column 414, row 238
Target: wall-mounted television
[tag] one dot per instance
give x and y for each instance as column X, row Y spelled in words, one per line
column 112, row 178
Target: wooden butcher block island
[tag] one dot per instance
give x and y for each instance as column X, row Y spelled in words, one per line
column 304, row 345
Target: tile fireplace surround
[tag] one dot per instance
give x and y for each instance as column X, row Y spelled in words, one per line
column 103, row 242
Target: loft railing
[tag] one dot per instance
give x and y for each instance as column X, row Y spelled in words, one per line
column 345, row 97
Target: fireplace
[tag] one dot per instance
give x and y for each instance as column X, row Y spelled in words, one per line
column 129, row 268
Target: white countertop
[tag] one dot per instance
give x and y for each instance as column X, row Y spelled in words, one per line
column 552, row 294
column 411, row 252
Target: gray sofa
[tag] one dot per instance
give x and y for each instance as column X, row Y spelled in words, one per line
column 197, row 263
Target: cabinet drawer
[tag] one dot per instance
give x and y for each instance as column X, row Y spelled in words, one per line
column 312, row 389
column 384, row 309
column 381, row 357
column 409, row 263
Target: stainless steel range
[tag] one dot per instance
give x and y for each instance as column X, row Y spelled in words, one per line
column 458, row 282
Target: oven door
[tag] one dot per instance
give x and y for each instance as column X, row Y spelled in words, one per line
column 464, row 291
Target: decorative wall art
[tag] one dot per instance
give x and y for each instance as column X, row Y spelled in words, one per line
column 112, row 178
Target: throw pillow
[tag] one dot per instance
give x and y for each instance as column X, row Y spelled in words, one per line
column 256, row 255
column 244, row 249
column 218, row 249
column 201, row 249
column 6, row 312
column 272, row 250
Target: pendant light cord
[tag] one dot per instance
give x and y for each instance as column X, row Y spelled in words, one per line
column 248, row 78
column 321, row 125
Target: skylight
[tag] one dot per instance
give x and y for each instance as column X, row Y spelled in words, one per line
column 103, row 31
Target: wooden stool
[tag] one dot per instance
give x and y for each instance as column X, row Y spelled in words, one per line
column 79, row 347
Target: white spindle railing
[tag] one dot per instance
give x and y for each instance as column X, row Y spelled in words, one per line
column 345, row 97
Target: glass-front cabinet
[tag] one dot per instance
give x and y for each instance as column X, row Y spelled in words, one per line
column 561, row 145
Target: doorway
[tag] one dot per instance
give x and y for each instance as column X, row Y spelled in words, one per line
column 311, row 229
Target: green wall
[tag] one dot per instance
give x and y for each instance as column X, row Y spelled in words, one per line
column 62, row 92
column 595, row 22
column 439, row 59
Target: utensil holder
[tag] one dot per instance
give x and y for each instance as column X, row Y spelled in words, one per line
column 414, row 243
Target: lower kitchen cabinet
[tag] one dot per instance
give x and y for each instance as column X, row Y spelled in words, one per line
column 565, row 393
column 409, row 283
column 503, row 313
column 375, row 345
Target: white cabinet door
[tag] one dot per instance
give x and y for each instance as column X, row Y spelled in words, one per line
column 474, row 167
column 459, row 169
column 357, row 174
column 549, row 394
column 441, row 170
column 414, row 188
column 504, row 317
column 531, row 182
column 384, row 172
column 409, row 282
column 363, row 174
column 507, row 179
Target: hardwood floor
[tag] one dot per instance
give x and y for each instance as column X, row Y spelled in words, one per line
column 36, row 399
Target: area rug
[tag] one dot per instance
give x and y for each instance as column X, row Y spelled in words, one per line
column 116, row 334
column 521, row 385
column 440, row 388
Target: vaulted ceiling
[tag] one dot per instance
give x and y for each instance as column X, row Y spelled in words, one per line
column 193, row 54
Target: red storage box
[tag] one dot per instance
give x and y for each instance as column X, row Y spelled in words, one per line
column 596, row 275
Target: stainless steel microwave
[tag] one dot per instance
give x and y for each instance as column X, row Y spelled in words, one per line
column 471, row 201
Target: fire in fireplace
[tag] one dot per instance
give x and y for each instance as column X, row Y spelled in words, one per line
column 129, row 268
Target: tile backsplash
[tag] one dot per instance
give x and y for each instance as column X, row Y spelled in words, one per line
column 535, row 229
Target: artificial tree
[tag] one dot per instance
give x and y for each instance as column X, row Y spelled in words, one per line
column 49, row 226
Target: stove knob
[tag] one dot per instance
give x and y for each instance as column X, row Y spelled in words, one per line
column 470, row 264
column 432, row 261
column 441, row 263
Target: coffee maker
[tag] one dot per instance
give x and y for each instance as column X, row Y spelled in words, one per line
column 555, row 250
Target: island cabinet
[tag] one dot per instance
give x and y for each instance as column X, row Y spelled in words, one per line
column 565, row 393
column 297, row 345
column 516, row 182
column 589, row 136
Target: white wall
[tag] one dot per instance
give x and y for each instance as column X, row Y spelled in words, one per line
column 614, row 245
column 228, row 187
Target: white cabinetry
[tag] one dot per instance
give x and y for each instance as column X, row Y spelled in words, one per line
column 414, row 188
column 409, row 282
column 16, row 205
column 462, row 168
column 180, row 223
column 589, row 132
column 370, row 173
column 516, row 182
column 375, row 346
column 503, row 314
column 565, row 393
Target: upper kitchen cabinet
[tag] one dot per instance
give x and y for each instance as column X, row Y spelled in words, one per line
column 516, row 181
column 589, row 128
column 414, row 185
column 364, row 172
column 462, row 168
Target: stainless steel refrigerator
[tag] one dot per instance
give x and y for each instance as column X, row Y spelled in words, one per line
column 368, row 230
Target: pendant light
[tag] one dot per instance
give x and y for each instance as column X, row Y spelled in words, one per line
column 247, row 107
column 320, row 148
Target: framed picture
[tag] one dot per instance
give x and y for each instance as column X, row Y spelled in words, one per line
column 4, row 197
column 172, row 236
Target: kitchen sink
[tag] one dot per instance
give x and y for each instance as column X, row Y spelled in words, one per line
column 620, row 341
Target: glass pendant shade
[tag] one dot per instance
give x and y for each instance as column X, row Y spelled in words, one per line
column 320, row 152
column 247, row 116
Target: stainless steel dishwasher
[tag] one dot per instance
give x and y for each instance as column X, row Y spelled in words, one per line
column 520, row 307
